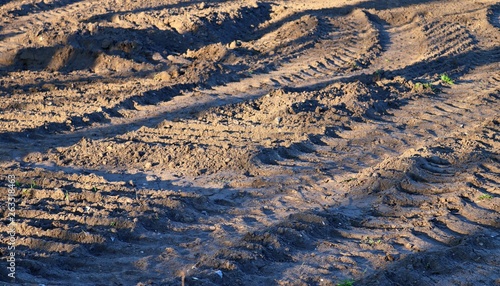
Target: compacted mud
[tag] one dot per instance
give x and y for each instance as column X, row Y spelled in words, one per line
column 250, row 142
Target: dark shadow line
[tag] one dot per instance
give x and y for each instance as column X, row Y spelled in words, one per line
column 27, row 9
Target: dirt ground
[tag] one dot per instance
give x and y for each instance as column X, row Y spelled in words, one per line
column 250, row 142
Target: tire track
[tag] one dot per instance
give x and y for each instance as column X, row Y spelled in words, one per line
column 361, row 37
column 89, row 221
column 442, row 175
column 351, row 43
column 31, row 27
column 447, row 39
column 309, row 183
column 458, row 177
column 356, row 21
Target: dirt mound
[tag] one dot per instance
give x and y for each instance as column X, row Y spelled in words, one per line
column 448, row 265
column 250, row 142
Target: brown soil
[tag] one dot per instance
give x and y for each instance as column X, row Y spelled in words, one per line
column 251, row 142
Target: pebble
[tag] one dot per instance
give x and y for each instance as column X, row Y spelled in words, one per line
column 151, row 178
column 235, row 44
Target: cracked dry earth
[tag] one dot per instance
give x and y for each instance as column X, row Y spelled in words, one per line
column 251, row 142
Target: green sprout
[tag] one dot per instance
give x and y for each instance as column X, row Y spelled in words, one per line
column 446, row 79
column 346, row 282
column 372, row 242
column 419, row 86
column 485, row 197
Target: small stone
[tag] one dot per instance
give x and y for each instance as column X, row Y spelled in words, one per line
column 163, row 76
column 235, row 44
column 157, row 57
column 147, row 165
column 190, row 53
column 93, row 28
column 151, row 178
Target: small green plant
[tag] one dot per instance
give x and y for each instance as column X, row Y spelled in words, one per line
column 346, row 282
column 33, row 185
column 112, row 224
column 26, row 193
column 66, row 196
column 446, row 79
column 427, row 85
column 485, row 197
column 355, row 65
column 94, row 189
column 372, row 242
column 18, row 184
column 423, row 86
